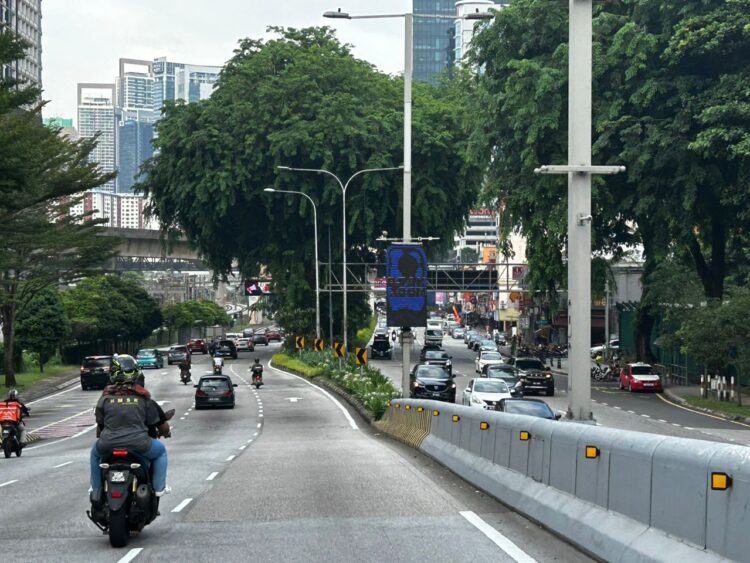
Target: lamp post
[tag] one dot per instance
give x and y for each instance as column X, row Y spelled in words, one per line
column 317, row 262
column 343, row 187
column 408, row 48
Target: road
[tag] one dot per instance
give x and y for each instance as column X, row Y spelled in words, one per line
column 290, row 474
column 643, row 412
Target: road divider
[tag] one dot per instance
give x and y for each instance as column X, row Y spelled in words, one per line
column 617, row 494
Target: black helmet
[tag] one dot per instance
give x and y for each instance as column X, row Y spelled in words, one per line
column 257, row 360
column 124, row 369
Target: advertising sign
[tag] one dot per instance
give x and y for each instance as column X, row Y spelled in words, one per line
column 254, row 287
column 406, row 273
column 489, row 255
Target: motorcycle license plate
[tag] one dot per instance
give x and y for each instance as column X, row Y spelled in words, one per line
column 117, row 477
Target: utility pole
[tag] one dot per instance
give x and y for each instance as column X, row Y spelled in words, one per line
column 579, row 171
column 606, row 319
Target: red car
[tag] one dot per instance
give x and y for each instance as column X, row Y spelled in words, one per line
column 273, row 334
column 639, row 377
column 197, row 345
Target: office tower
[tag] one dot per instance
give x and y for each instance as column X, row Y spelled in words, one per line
column 66, row 127
column 465, row 29
column 96, row 114
column 24, row 17
column 178, row 81
column 135, row 120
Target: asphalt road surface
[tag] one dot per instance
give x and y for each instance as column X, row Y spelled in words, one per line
column 290, row 474
column 642, row 412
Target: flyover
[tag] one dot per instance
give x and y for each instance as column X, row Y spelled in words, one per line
column 147, row 250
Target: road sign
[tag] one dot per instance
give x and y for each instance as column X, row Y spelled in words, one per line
column 299, row 342
column 318, row 344
column 360, row 354
column 338, row 347
column 406, row 274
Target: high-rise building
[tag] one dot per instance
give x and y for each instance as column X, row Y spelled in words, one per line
column 96, row 115
column 66, row 127
column 24, row 17
column 465, row 29
column 135, row 120
column 178, row 81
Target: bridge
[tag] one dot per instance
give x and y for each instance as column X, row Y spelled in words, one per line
column 145, row 250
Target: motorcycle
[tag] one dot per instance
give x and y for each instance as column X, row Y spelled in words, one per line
column 258, row 377
column 184, row 376
column 11, row 438
column 128, row 501
column 218, row 365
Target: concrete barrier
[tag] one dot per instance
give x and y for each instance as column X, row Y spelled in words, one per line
column 619, row 495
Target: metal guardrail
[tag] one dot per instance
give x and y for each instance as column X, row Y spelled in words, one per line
column 673, row 374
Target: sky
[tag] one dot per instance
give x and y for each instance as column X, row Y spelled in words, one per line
column 82, row 40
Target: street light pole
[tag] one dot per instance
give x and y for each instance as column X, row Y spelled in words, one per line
column 317, row 262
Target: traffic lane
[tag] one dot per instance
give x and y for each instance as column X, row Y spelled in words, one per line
column 343, row 494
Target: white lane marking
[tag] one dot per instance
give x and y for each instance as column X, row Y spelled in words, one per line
column 72, row 387
column 260, row 416
column 335, row 401
column 631, row 412
column 130, row 555
column 259, row 425
column 604, row 404
column 250, row 441
column 662, row 420
column 255, row 434
column 182, row 505
column 81, row 433
column 9, row 482
column 212, row 476
column 230, row 458
column 618, row 408
column 61, row 465
column 187, row 413
column 689, row 428
column 243, row 447
column 182, row 418
column 675, row 424
column 89, row 410
column 515, row 552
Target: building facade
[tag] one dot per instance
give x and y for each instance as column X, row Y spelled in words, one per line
column 464, row 29
column 179, row 81
column 24, row 17
column 96, row 115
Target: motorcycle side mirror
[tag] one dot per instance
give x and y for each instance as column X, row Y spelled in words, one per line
column 169, row 414
column 195, row 386
column 234, row 385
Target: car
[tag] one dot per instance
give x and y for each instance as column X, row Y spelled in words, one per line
column 245, row 344
column 95, row 372
column 485, row 393
column 614, row 346
column 233, row 335
column 485, row 344
column 468, row 334
column 248, row 333
column 177, row 354
column 260, row 337
column 381, row 344
column 214, row 391
column 433, row 336
column 458, row 332
column 432, row 382
column 535, row 375
column 507, row 373
column 640, row 377
column 437, row 358
column 227, row 349
column 487, row 357
column 149, row 358
column 473, row 340
column 197, row 345
column 434, row 324
column 528, row 407
column 273, row 334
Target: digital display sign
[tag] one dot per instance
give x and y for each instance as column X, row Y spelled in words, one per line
column 406, row 285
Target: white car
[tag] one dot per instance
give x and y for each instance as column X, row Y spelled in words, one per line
column 614, row 346
column 243, row 344
column 485, row 393
column 487, row 358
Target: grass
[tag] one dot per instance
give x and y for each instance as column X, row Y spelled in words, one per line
column 284, row 361
column 725, row 407
column 27, row 378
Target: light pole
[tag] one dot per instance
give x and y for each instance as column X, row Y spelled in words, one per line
column 343, row 187
column 406, row 335
column 317, row 263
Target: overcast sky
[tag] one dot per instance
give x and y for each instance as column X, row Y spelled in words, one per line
column 82, row 40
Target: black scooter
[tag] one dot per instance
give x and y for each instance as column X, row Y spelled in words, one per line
column 184, row 376
column 257, row 377
column 11, row 438
column 128, row 500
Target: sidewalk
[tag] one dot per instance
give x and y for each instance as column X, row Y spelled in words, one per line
column 49, row 385
column 681, row 393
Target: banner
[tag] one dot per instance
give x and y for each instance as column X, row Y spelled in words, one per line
column 406, row 274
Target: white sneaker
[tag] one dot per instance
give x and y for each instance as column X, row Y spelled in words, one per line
column 166, row 491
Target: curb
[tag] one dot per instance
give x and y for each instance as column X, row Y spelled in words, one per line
column 682, row 402
column 330, row 386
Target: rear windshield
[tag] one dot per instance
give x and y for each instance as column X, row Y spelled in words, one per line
column 179, row 349
column 532, row 408
column 642, row 370
column 530, row 364
column 227, row 343
column 146, row 354
column 491, row 386
column 431, row 372
column 219, row 384
column 102, row 363
column 431, row 332
column 435, row 355
column 491, row 356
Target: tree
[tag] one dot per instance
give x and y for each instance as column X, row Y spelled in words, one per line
column 43, row 324
column 301, row 99
column 42, row 175
column 188, row 313
column 469, row 255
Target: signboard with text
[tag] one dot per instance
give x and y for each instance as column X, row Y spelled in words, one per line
column 406, row 276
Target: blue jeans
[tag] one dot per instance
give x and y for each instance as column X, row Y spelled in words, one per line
column 157, row 454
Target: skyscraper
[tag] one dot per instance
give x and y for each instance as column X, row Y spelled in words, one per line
column 178, row 81
column 24, row 17
column 465, row 29
column 96, row 114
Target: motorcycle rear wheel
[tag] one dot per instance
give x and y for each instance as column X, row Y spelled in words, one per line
column 7, row 449
column 257, row 385
column 118, row 528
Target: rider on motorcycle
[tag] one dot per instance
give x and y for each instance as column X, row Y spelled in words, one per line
column 218, row 359
column 124, row 413
column 184, row 366
column 13, row 397
column 257, row 368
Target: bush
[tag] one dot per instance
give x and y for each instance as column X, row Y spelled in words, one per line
column 288, row 362
column 364, row 334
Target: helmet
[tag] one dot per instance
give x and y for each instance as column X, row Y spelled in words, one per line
column 124, row 369
column 257, row 360
column 12, row 395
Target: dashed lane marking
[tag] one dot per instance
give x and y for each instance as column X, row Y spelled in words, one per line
column 61, row 465
column 130, row 555
column 212, row 476
column 645, row 416
column 230, row 458
column 8, row 482
column 515, row 552
column 662, row 420
column 182, row 505
column 243, row 447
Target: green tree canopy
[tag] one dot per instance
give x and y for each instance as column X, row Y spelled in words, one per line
column 43, row 324
column 189, row 313
column 302, row 100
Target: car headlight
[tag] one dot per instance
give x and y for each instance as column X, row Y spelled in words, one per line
column 453, row 385
column 548, row 376
column 417, row 383
column 448, row 363
column 476, row 400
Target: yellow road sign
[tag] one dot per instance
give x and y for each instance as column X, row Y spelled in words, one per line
column 338, row 347
column 299, row 342
column 360, row 355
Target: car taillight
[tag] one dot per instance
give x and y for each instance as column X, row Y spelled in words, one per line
column 83, row 369
column 200, row 393
column 227, row 393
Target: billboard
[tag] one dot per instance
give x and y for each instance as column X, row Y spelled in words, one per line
column 489, row 255
column 255, row 287
column 406, row 285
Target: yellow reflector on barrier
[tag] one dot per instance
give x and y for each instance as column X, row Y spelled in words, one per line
column 524, row 436
column 420, row 409
column 720, row 481
column 397, row 405
column 484, row 425
column 592, row 452
column 455, row 418
column 388, row 404
column 435, row 413
column 408, row 407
